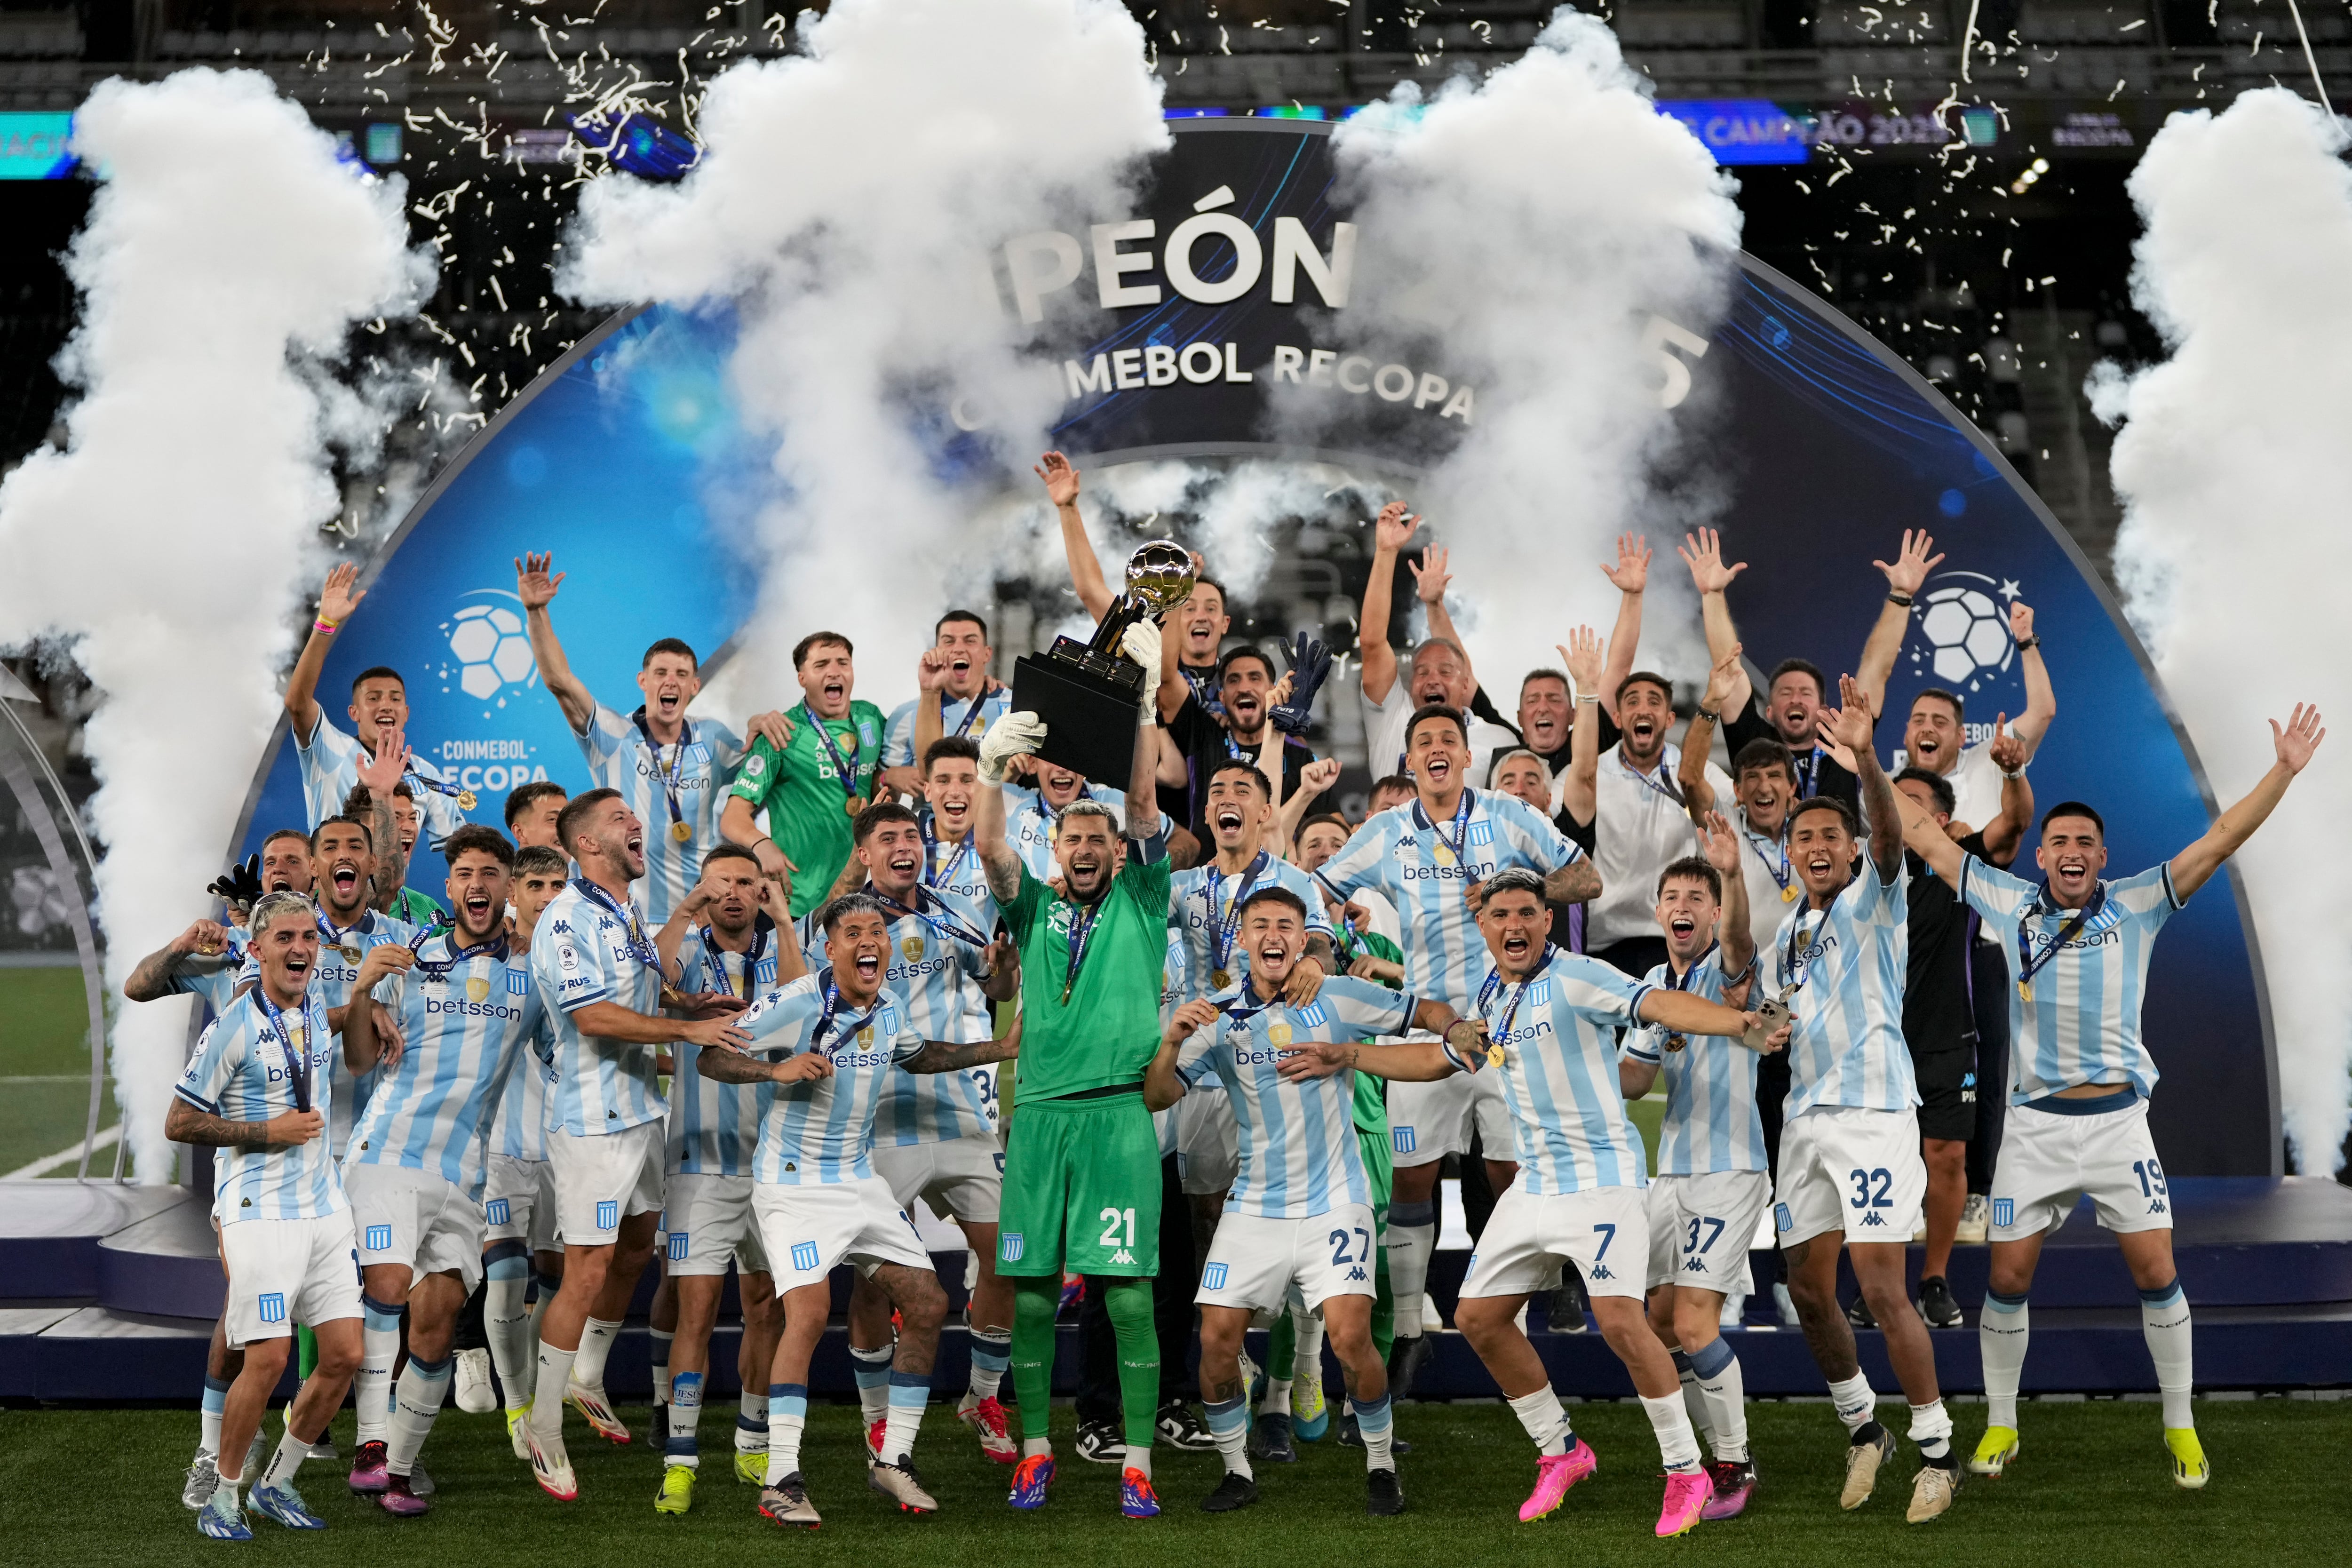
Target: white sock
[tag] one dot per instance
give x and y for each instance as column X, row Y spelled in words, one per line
column 1677, row 1444
column 1856, row 1405
column 215, row 1402
column 422, row 1389
column 992, row 1352
column 284, row 1461
column 2002, row 1328
column 1139, row 1458
column 1723, row 1394
column 751, row 1424
column 1931, row 1428
column 371, row 1384
column 1307, row 1367
column 661, row 1364
column 1229, row 1423
column 787, row 1414
column 873, row 1371
column 1694, row 1401
column 2164, row 1322
column 1031, row 1448
column 1277, row 1396
column 1411, row 1238
column 505, row 1324
column 547, row 1382
column 909, row 1393
column 684, row 1447
column 1375, row 1422
column 595, row 1348
column 1541, row 1414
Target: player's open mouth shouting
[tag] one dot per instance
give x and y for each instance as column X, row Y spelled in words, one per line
column 1228, row 821
column 906, row 862
column 344, row 875
column 1680, row 927
column 1438, row 766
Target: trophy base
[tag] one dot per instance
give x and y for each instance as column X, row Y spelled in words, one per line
column 1088, row 701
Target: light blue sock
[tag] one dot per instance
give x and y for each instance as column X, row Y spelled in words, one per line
column 1375, row 1424
column 1229, row 1424
column 991, row 1354
column 873, row 1371
column 910, row 1392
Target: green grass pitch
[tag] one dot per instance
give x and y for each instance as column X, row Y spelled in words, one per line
column 2091, row 1487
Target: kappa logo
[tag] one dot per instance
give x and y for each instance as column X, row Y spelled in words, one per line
column 804, row 1258
column 2004, row 1212
column 1694, row 1267
column 1123, row 1256
column 1782, row 1220
column 1356, row 1275
column 1601, row 1271
column 1873, row 1218
column 608, row 1214
column 378, row 1238
column 495, row 1212
column 1009, row 1245
column 272, row 1307
column 2156, row 1207
column 1212, row 1278
column 678, row 1246
column 1402, row 1138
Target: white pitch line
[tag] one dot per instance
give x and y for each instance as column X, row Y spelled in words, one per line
column 105, row 1140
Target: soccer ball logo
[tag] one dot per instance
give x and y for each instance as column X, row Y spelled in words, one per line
column 491, row 650
column 1964, row 632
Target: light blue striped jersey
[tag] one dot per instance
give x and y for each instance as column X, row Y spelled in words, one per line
column 1854, row 960
column 819, row 1131
column 463, row 1023
column 1711, row 1123
column 955, row 718
column 242, row 1071
column 1418, row 868
column 1298, row 1152
column 331, row 770
column 340, row 953
column 935, row 971
column 714, row 1127
column 214, row 977
column 696, row 769
column 2083, row 1024
column 954, row 869
column 1201, row 913
column 1559, row 1034
column 1029, row 823
column 518, row 1127
column 582, row 951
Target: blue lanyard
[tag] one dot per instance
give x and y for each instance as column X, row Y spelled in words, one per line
column 344, row 940
column 845, row 769
column 1780, row 876
column 714, row 959
column 1082, row 931
column 1673, row 797
column 641, row 948
column 298, row 1063
column 1225, row 925
column 970, row 713
column 946, row 922
column 439, row 970
column 1495, row 983
column 1461, row 840
column 668, row 777
column 2028, row 966
column 828, row 1021
column 1676, row 1040
column 933, row 874
column 1789, row 968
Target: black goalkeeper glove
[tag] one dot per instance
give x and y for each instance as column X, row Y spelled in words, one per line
column 1310, row 666
column 241, row 887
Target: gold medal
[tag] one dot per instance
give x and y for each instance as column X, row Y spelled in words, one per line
column 478, row 989
column 1221, row 978
column 1442, row 854
column 681, row 831
column 853, row 806
column 1277, row 1035
column 350, row 952
column 2025, row 990
column 1493, row 1056
column 466, row 800
column 1676, row 1042
column 1789, row 894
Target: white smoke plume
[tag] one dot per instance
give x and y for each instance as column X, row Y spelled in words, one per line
column 226, row 256
column 1519, row 235
column 2233, row 463
column 845, row 202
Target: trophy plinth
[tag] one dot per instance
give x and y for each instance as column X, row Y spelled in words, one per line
column 1088, row 693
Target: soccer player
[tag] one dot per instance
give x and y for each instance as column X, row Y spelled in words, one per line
column 2081, row 1075
column 1243, row 731
column 599, row 977
column 957, row 697
column 531, row 812
column 1082, row 1177
column 1431, row 859
column 1546, row 1026
column 1712, row 1182
column 738, row 943
column 521, row 1249
column 329, row 757
column 832, row 1043
column 1440, row 674
column 1850, row 1174
column 813, row 786
column 258, row 1088
column 1033, row 814
column 934, row 1136
column 414, row 1170
column 670, row 768
column 1301, row 1180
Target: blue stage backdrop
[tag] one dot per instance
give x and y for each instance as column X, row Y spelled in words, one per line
column 627, row 461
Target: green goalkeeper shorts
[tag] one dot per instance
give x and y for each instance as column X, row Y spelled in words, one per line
column 1081, row 1190
column 1378, row 1174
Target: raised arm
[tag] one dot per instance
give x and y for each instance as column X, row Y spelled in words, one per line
column 2007, row 830
column 381, row 778
column 1430, row 579
column 930, row 679
column 1579, row 787
column 1849, row 726
column 1632, row 575
column 1723, row 852
column 2293, row 745
column 1725, row 682
column 151, row 979
column 1142, row 642
column 536, row 587
column 1910, row 569
column 1313, row 780
column 1391, row 532
column 1924, row 837
column 1014, row 735
column 337, row 600
column 1702, row 553
column 1086, row 571
column 2041, row 697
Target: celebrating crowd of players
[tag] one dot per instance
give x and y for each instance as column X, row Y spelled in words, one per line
column 745, row 1004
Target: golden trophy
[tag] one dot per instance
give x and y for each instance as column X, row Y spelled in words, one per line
column 1088, row 693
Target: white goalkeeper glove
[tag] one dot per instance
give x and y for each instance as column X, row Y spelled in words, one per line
column 1014, row 735
column 1141, row 642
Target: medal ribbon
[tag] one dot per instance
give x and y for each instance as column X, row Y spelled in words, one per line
column 971, row 712
column 1226, row 925
column 339, row 937
column 641, row 947
column 714, row 960
column 828, row 1021
column 439, row 970
column 669, row 777
column 1672, row 795
column 1494, row 983
column 1082, row 931
column 1461, row 838
column 2028, row 966
column 935, row 878
column 1780, row 877
column 844, row 768
column 1788, row 960
column 298, row 1063
column 1676, row 1040
column 944, row 922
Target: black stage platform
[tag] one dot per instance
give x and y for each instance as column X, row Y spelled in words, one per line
column 107, row 1293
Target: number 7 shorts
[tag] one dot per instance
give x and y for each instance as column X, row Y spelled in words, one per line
column 1604, row 1231
column 1845, row 1168
column 1254, row 1262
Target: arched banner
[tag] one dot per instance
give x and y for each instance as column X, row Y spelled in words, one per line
column 626, row 459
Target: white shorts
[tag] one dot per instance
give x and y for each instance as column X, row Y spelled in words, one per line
column 961, row 1179
column 2049, row 1160
column 706, row 1221
column 807, row 1230
column 282, row 1272
column 519, row 1202
column 1255, row 1263
column 1700, row 1227
column 1427, row 1121
column 420, row 1218
column 601, row 1180
column 1843, row 1167
column 1605, row 1232
column 1208, row 1141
